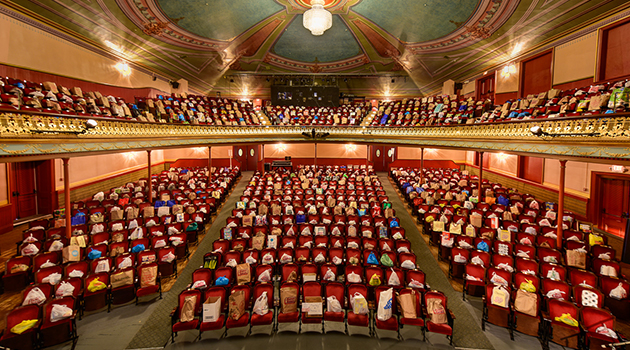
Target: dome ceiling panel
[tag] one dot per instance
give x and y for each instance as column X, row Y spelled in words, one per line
column 336, row 44
column 202, row 40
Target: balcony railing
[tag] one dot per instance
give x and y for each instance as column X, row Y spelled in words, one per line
column 606, row 136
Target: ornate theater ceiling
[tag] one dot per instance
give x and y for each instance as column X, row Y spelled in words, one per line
column 428, row 40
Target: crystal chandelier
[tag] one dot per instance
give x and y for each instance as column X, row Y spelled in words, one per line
column 317, row 19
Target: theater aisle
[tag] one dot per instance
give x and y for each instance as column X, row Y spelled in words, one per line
column 467, row 331
column 156, row 330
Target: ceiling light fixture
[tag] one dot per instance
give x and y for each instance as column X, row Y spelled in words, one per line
column 317, row 19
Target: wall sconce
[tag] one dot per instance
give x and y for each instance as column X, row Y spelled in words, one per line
column 502, row 156
column 123, row 68
column 351, row 148
column 508, row 70
column 281, row 147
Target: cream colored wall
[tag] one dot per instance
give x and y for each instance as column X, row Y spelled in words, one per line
column 179, row 153
column 92, row 168
column 578, row 175
column 469, row 87
column 221, row 151
column 507, row 83
column 431, row 153
column 575, row 60
column 27, row 47
column 295, row 150
column 325, row 150
column 503, row 163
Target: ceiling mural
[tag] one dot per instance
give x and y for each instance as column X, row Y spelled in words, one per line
column 428, row 41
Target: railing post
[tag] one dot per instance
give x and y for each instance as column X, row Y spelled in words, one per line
column 66, row 196
column 563, row 167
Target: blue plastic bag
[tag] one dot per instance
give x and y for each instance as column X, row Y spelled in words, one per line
column 503, row 200
column 138, row 248
column 94, row 254
column 300, row 219
column 222, row 281
column 78, row 219
column 170, row 203
column 483, row 246
column 372, row 259
column 159, row 204
column 393, row 223
column 362, row 212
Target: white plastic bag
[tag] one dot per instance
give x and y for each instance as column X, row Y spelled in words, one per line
column 34, row 297
column 416, row 284
column 199, row 284
column 359, row 304
column 618, row 292
column 102, row 266
column 29, row 249
column 286, row 258
column 393, row 279
column 506, row 267
column 172, row 231
column 60, row 312
column 553, row 274
column 250, row 260
column 56, row 246
column 267, row 259
column 496, row 279
column 53, row 278
column 408, row 264
column 265, row 276
column 329, row 276
column 354, row 278
column 337, row 260
column 168, row 257
column 384, row 311
column 159, row 243
column 555, row 294
column 117, row 227
column 320, row 258
column 47, row 264
column 333, row 305
column 65, row 290
column 261, row 306
column 477, row 260
column 606, row 331
column 460, row 259
column 76, row 273
column 126, row 262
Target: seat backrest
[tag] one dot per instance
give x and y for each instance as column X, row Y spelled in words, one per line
column 19, row 314
column 335, row 289
column 260, row 288
column 311, row 289
column 592, row 318
column 558, row 307
column 190, row 293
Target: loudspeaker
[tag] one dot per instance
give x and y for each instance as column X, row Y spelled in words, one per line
column 459, row 86
column 267, row 166
column 174, row 84
column 287, row 158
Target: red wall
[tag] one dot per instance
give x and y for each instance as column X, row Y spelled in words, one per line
column 500, row 99
column 127, row 94
column 536, row 74
column 574, row 84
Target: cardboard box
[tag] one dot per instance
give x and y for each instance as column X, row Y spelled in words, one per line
column 211, row 309
column 312, row 306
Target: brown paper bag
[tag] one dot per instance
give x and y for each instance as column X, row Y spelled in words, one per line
column 288, row 300
column 148, row 277
column 243, row 274
column 237, row 304
column 148, row 212
column 116, row 215
column 262, row 209
column 120, row 279
column 476, row 220
column 576, row 259
column 407, row 303
column 71, row 253
column 525, row 302
column 436, row 311
column 177, row 209
column 188, row 309
column 247, row 220
column 258, row 242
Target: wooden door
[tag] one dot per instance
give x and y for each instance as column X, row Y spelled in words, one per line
column 24, row 189
column 252, row 157
column 239, row 153
column 378, row 157
column 614, row 202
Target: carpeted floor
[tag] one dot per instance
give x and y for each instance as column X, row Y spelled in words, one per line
column 467, row 333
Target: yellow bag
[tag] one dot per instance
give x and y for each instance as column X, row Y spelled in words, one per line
column 595, row 239
column 568, row 319
column 375, row 280
column 96, row 285
column 527, row 286
column 23, row 326
column 429, row 219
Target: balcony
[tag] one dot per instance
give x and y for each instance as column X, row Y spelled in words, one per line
column 49, row 136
